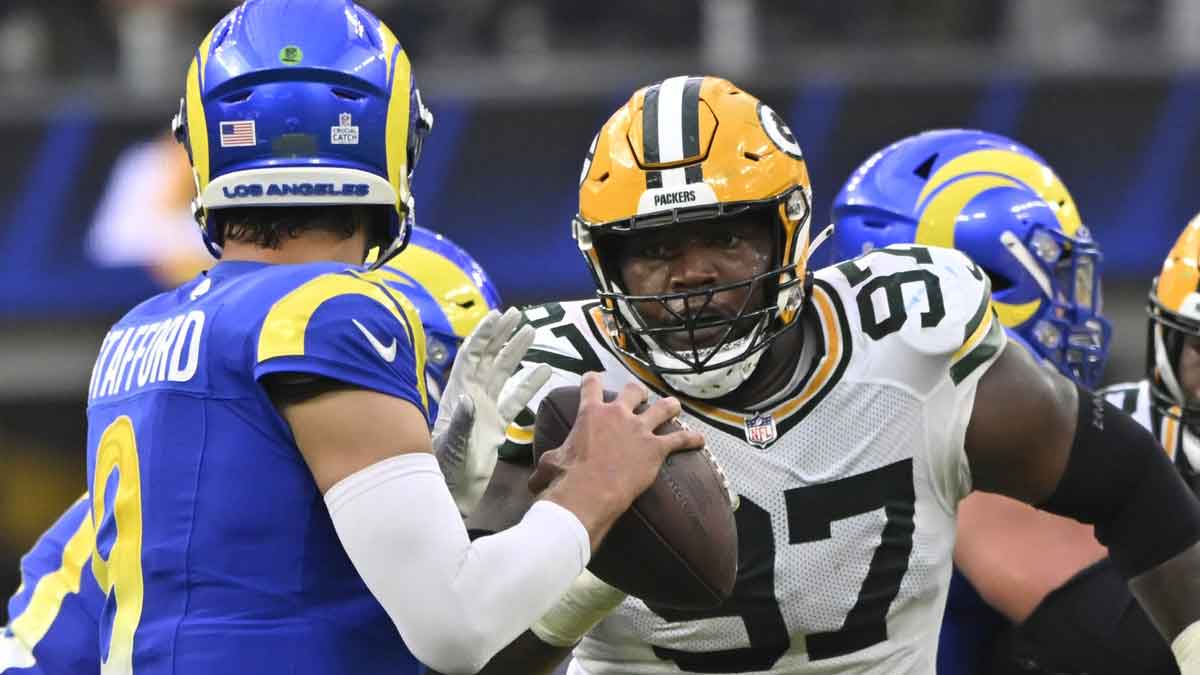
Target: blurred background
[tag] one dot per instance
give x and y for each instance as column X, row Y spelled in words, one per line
column 94, row 194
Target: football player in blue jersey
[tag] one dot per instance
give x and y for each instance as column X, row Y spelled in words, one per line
column 55, row 612
column 1001, row 204
column 262, row 480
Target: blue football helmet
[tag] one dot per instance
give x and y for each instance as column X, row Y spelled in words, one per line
column 1001, row 204
column 301, row 102
column 452, row 293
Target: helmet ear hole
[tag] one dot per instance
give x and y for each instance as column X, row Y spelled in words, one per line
column 925, row 168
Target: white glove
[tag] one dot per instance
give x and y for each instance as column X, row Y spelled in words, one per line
column 1186, row 647
column 584, row 605
column 480, row 402
column 13, row 652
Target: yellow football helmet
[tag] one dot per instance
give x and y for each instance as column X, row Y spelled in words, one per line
column 1174, row 308
column 680, row 151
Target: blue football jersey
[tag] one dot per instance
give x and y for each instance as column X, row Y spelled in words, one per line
column 55, row 611
column 213, row 546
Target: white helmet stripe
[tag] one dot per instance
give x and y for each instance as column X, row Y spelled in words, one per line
column 670, row 119
column 674, row 178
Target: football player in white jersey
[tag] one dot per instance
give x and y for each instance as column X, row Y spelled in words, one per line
column 851, row 408
column 999, row 202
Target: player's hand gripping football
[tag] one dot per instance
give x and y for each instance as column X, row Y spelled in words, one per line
column 480, row 402
column 610, row 456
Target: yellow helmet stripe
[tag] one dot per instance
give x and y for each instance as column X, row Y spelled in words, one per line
column 1032, row 173
column 196, row 124
column 389, row 46
column 453, row 289
column 940, row 215
column 397, row 127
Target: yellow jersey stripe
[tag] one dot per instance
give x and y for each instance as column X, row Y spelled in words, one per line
column 50, row 591
column 1170, row 432
column 283, row 331
column 411, row 317
column 833, row 354
column 977, row 336
column 519, row 434
column 982, row 352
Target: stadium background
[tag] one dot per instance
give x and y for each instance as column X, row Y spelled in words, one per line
column 1108, row 92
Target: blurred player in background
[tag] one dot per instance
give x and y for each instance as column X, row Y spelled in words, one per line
column 851, row 408
column 56, row 611
column 998, row 202
column 452, row 292
column 1091, row 624
column 145, row 216
column 262, row 479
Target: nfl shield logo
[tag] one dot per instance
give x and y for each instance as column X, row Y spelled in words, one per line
column 760, row 430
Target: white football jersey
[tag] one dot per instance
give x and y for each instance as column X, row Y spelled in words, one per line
column 1180, row 443
column 848, row 484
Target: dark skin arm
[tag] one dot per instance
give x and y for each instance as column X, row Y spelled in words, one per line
column 1018, row 443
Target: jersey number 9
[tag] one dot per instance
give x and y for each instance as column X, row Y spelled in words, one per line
column 117, row 556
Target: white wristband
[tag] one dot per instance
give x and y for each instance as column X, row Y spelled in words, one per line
column 584, row 605
column 1186, row 647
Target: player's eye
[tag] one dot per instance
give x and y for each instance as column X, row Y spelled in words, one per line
column 658, row 250
column 726, row 239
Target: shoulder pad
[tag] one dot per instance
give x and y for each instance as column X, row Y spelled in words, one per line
column 347, row 326
column 933, row 300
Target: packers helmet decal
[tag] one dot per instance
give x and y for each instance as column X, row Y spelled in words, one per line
column 680, row 152
column 778, row 132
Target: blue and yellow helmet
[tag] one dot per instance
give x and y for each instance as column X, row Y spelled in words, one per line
column 301, row 102
column 451, row 292
column 1001, row 204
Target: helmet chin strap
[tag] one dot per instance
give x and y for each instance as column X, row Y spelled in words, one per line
column 818, row 240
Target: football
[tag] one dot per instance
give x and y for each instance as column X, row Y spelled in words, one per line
column 676, row 546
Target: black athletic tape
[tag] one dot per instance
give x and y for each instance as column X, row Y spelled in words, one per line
column 1119, row 479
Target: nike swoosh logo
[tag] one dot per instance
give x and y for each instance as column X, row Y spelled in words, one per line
column 388, row 353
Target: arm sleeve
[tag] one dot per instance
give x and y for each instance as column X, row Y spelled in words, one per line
column 348, row 328
column 455, row 602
